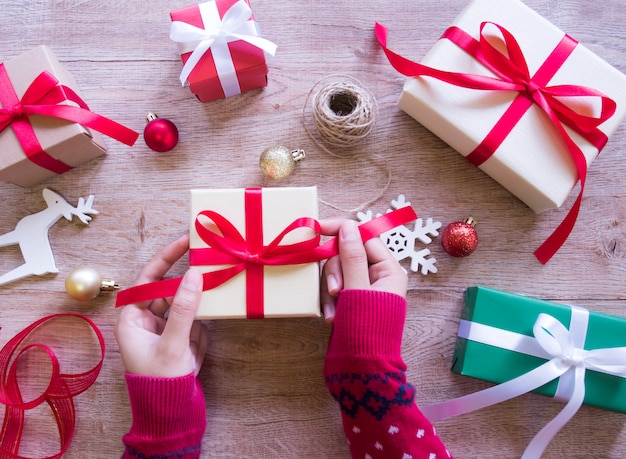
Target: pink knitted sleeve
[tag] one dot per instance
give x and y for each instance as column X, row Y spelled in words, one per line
column 169, row 417
column 365, row 373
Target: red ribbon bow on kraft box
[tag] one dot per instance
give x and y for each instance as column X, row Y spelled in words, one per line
column 532, row 120
column 49, row 122
column 259, row 250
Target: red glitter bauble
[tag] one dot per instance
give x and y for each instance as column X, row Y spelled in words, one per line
column 460, row 239
column 160, row 135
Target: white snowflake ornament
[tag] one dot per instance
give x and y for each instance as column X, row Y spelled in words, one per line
column 401, row 241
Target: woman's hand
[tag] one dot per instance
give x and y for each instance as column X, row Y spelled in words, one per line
column 156, row 339
column 359, row 266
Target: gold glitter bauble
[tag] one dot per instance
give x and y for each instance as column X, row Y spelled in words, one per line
column 84, row 284
column 278, row 162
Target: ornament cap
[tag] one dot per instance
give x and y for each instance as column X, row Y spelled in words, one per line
column 109, row 285
column 470, row 220
column 151, row 116
column 298, row 155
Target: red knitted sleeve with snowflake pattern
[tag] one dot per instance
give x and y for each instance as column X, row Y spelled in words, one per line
column 169, row 417
column 365, row 373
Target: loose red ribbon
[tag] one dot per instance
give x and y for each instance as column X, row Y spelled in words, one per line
column 512, row 74
column 43, row 97
column 58, row 395
column 229, row 247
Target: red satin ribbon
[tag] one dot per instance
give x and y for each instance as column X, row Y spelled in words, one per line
column 58, row 395
column 512, row 74
column 249, row 254
column 42, row 98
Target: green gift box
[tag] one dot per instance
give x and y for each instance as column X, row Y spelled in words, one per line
column 498, row 310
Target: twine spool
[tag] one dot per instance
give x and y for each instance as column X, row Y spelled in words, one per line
column 344, row 113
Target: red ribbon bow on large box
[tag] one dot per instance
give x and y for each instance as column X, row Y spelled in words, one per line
column 250, row 254
column 512, row 74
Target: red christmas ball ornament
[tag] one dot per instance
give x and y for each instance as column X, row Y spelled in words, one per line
column 160, row 134
column 460, row 239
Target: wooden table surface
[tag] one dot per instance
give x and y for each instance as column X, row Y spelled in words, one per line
column 265, row 393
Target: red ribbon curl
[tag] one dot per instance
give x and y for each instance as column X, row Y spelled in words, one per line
column 512, row 74
column 43, row 97
column 58, row 394
column 250, row 254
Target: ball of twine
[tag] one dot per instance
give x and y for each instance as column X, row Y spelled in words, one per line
column 344, row 113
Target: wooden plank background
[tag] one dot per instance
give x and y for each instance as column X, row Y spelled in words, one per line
column 263, row 379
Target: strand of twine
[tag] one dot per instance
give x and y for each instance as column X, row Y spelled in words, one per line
column 344, row 114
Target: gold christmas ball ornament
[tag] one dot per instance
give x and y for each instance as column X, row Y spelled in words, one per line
column 278, row 162
column 84, row 284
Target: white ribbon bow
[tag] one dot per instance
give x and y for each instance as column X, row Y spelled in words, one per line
column 567, row 360
column 233, row 26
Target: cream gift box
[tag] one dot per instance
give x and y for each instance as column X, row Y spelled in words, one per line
column 288, row 291
column 532, row 162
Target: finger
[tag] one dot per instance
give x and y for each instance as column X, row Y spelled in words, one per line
column 353, row 257
column 386, row 278
column 160, row 306
column 203, row 338
column 327, row 303
column 331, row 285
column 378, row 252
column 197, row 329
column 182, row 314
column 333, row 276
column 133, row 318
column 385, row 272
column 200, row 346
column 330, row 226
column 382, row 261
column 161, row 263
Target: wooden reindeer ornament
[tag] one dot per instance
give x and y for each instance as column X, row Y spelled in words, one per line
column 31, row 233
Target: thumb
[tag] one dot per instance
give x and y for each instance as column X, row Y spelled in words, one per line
column 353, row 257
column 182, row 313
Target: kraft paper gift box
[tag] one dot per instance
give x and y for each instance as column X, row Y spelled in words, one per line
column 65, row 141
column 499, row 310
column 289, row 290
column 532, row 162
column 227, row 68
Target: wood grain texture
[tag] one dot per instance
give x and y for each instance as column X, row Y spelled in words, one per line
column 263, row 380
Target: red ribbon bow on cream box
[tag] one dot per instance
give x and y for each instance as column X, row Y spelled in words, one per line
column 221, row 48
column 259, row 250
column 518, row 98
column 44, row 124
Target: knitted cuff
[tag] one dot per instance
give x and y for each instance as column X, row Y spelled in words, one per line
column 166, row 407
column 368, row 324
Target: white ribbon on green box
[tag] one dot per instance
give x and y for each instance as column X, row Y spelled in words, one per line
column 566, row 358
